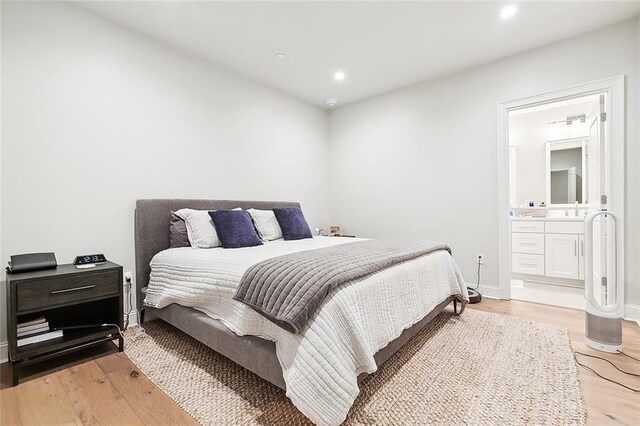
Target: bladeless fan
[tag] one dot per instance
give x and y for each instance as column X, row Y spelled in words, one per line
column 603, row 285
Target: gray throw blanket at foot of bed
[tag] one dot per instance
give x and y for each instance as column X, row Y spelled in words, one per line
column 288, row 289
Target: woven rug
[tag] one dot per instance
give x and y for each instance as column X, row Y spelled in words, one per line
column 479, row 368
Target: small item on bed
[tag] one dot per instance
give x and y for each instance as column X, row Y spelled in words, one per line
column 178, row 236
column 293, row 224
column 266, row 224
column 235, row 228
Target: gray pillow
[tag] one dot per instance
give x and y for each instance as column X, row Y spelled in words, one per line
column 178, row 236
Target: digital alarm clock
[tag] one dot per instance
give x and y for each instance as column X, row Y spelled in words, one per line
column 89, row 259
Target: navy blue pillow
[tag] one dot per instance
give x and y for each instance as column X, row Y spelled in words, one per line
column 235, row 228
column 292, row 223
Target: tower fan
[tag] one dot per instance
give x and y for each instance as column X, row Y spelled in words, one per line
column 604, row 286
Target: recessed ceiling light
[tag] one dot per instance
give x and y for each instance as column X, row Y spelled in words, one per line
column 508, row 12
column 339, row 76
column 332, row 101
column 280, row 56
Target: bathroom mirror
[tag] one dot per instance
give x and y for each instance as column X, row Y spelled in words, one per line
column 566, row 172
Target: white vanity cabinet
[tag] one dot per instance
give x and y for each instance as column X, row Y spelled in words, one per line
column 561, row 256
column 548, row 248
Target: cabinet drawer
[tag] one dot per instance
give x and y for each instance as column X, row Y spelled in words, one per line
column 559, row 227
column 526, row 226
column 522, row 242
column 59, row 291
column 532, row 264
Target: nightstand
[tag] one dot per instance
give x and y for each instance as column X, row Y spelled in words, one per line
column 78, row 301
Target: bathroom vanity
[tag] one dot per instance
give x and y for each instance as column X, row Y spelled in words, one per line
column 548, row 249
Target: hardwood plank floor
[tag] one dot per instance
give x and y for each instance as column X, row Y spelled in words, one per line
column 145, row 401
column 87, row 388
column 99, row 388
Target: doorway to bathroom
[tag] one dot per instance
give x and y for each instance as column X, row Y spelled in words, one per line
column 562, row 158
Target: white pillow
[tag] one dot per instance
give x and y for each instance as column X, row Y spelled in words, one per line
column 200, row 229
column 266, row 224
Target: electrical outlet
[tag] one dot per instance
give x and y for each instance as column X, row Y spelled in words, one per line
column 480, row 258
column 128, row 277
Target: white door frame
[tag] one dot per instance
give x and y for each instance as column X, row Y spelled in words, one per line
column 614, row 88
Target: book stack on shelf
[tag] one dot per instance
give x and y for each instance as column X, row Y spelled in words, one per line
column 35, row 331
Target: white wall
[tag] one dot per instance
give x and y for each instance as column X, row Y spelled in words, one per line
column 96, row 116
column 421, row 161
column 529, row 133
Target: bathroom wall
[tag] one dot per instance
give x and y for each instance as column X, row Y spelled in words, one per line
column 529, row 132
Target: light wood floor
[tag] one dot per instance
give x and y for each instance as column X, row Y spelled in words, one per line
column 99, row 388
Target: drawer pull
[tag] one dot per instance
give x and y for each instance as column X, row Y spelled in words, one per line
column 67, row 290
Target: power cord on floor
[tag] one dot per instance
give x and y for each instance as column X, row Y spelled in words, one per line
column 627, row 355
column 478, row 282
column 575, row 353
column 126, row 321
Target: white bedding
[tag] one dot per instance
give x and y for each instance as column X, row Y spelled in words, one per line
column 320, row 364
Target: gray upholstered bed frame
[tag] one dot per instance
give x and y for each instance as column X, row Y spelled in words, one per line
column 253, row 353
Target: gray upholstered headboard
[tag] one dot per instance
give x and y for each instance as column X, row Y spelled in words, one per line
column 152, row 228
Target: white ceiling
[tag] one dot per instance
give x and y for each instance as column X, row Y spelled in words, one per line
column 381, row 46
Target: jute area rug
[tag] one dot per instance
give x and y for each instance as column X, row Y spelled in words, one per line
column 479, row 368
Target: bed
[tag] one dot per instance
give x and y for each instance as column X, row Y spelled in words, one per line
column 314, row 366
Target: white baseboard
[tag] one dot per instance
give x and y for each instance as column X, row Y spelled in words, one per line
column 4, row 352
column 133, row 318
column 487, row 291
column 632, row 313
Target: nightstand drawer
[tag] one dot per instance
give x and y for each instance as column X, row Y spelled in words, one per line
column 58, row 291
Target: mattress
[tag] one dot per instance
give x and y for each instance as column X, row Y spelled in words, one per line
column 321, row 363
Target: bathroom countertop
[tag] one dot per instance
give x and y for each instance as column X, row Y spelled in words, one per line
column 559, row 218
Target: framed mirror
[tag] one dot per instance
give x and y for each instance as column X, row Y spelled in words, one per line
column 567, row 172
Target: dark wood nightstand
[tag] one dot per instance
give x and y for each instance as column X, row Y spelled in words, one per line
column 70, row 299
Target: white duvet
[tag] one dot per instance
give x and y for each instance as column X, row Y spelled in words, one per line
column 321, row 363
